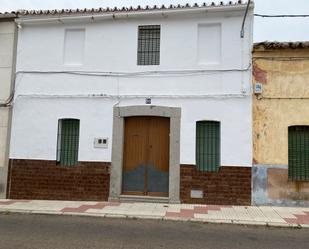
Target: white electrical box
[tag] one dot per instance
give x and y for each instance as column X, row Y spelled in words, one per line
column 258, row 88
column 101, row 142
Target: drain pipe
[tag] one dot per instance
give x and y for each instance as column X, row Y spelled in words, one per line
column 242, row 35
column 242, row 32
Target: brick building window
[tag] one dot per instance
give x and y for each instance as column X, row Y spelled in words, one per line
column 68, row 142
column 148, row 52
column 208, row 145
column 298, row 153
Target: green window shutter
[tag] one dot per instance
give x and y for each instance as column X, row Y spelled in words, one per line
column 298, row 153
column 208, row 145
column 68, row 142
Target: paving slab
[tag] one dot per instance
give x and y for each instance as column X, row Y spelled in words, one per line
column 294, row 217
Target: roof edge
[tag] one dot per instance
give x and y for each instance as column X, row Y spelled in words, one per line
column 115, row 10
column 96, row 16
column 268, row 45
column 7, row 16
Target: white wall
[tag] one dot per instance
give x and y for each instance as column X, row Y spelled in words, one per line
column 6, row 60
column 35, row 137
column 7, row 30
column 111, row 46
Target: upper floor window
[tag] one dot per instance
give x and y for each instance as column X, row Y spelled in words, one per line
column 68, row 142
column 148, row 52
column 208, row 145
column 298, row 153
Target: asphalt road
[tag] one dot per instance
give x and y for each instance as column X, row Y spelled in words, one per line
column 71, row 232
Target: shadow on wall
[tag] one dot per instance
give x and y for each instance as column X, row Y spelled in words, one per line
column 270, row 186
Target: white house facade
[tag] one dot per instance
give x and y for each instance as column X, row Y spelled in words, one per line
column 7, row 61
column 150, row 103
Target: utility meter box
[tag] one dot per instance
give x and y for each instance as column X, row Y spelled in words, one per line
column 101, row 142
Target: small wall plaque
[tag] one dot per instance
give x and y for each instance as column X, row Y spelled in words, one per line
column 258, row 88
column 148, row 101
column 198, row 194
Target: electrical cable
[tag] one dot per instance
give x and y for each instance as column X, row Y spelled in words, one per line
column 242, row 31
column 281, row 16
column 139, row 74
column 8, row 102
column 128, row 96
column 118, row 97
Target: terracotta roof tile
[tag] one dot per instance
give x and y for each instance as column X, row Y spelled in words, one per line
column 281, row 45
column 123, row 9
column 8, row 14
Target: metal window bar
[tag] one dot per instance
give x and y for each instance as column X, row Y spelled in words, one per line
column 208, row 145
column 148, row 52
column 68, row 142
column 298, row 153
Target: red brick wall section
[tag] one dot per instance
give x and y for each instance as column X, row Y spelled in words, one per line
column 45, row 180
column 228, row 186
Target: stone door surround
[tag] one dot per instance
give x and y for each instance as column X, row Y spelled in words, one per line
column 174, row 113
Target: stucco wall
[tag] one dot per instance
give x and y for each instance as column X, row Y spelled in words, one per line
column 36, row 120
column 283, row 102
column 271, row 117
column 111, row 46
column 7, row 31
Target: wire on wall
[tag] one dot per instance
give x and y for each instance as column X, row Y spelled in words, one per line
column 128, row 96
column 118, row 75
column 8, row 102
column 280, row 16
column 242, row 31
column 172, row 73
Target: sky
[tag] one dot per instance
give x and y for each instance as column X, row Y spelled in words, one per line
column 271, row 29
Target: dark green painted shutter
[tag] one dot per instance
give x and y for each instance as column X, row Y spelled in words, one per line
column 69, row 141
column 208, row 145
column 299, row 153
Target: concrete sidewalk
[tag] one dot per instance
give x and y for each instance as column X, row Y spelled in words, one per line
column 247, row 215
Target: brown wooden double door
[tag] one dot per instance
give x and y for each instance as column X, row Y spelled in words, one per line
column 146, row 156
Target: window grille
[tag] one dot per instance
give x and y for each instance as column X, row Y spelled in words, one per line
column 68, row 142
column 208, row 145
column 148, row 45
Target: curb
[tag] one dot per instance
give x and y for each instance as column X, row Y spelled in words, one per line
column 158, row 217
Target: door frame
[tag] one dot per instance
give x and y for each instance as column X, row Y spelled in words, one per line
column 174, row 113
